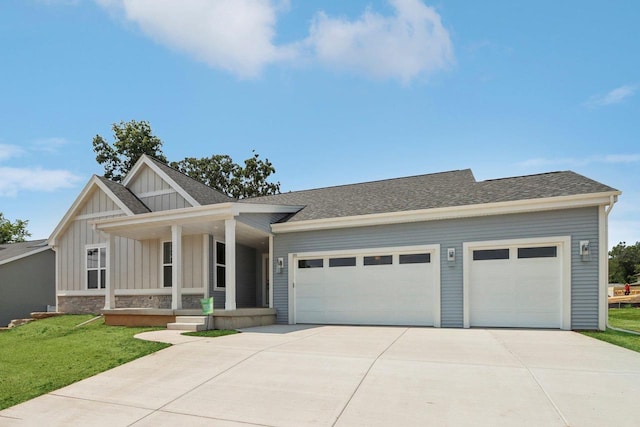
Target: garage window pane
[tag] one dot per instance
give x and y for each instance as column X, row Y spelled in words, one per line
column 415, row 258
column 378, row 260
column 487, row 254
column 342, row 262
column 541, row 252
column 311, row 263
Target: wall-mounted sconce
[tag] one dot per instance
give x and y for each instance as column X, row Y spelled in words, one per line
column 451, row 254
column 279, row 264
column 584, row 249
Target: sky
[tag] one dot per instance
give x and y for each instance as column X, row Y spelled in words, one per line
column 331, row 92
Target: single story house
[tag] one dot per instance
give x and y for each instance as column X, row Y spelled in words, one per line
column 27, row 279
column 440, row 250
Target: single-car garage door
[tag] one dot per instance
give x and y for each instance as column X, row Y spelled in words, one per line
column 515, row 285
column 385, row 287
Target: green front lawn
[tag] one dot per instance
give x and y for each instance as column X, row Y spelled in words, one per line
column 624, row 318
column 47, row 354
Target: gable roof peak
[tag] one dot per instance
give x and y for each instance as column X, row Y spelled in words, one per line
column 193, row 190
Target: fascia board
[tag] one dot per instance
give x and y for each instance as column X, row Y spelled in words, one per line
column 68, row 216
column 499, row 208
column 17, row 257
column 175, row 216
column 191, row 214
column 145, row 160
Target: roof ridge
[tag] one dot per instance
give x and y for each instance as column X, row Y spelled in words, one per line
column 525, row 176
column 372, row 182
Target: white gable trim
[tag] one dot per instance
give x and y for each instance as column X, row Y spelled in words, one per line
column 144, row 160
column 499, row 208
column 17, row 257
column 94, row 181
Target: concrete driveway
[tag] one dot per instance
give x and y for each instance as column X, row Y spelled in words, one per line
column 352, row 376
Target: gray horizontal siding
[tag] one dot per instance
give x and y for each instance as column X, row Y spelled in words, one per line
column 26, row 285
column 580, row 224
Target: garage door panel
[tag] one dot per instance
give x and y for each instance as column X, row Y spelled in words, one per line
column 396, row 294
column 515, row 292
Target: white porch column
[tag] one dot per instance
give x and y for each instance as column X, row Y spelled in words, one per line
column 110, row 274
column 176, row 267
column 230, row 264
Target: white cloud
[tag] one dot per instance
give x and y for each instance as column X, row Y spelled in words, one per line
column 49, row 145
column 238, row 36
column 8, row 151
column 14, row 180
column 410, row 44
column 575, row 161
column 615, row 96
column 234, row 35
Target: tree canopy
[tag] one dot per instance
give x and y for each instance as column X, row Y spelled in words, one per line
column 12, row 232
column 624, row 263
column 133, row 139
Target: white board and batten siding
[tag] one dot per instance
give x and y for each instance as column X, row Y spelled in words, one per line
column 155, row 192
column 578, row 224
column 139, row 263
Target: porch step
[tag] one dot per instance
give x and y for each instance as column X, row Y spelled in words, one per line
column 191, row 319
column 189, row 323
column 193, row 327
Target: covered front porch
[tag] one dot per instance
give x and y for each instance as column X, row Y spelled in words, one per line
column 221, row 251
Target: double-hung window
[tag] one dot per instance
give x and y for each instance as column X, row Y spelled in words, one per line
column 221, row 268
column 96, row 267
column 167, row 264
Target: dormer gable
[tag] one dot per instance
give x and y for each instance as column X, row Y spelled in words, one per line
column 100, row 198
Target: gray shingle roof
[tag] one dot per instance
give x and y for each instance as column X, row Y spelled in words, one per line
column 202, row 193
column 126, row 196
column 10, row 250
column 438, row 190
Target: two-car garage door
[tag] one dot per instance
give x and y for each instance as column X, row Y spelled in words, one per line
column 387, row 287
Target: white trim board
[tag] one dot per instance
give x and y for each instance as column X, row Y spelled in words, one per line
column 467, row 211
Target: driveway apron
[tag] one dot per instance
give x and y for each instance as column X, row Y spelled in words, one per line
column 350, row 376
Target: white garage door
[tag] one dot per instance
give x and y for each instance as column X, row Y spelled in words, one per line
column 382, row 288
column 516, row 286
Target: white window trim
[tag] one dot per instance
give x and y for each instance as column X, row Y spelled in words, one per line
column 395, row 252
column 86, row 266
column 215, row 265
column 162, row 263
column 564, row 253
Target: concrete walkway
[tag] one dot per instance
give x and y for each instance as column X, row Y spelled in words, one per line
column 352, row 376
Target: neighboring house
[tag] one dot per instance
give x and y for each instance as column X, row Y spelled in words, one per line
column 438, row 250
column 27, row 279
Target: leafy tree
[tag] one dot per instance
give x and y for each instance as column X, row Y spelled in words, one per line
column 221, row 173
column 624, row 263
column 132, row 140
column 13, row 232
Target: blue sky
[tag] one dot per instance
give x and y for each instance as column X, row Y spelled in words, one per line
column 331, row 92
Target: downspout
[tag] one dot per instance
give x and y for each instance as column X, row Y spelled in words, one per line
column 607, row 211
